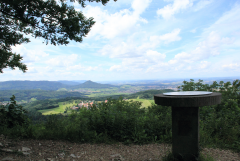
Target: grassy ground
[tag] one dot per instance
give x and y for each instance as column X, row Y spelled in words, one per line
column 145, row 103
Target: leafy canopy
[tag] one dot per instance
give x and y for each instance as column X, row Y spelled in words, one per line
column 58, row 24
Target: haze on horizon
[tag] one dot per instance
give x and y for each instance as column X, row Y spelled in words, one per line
column 141, row 40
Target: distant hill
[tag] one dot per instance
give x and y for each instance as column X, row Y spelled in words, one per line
column 27, row 85
column 50, row 85
column 70, row 83
column 26, row 95
column 78, row 81
column 90, row 84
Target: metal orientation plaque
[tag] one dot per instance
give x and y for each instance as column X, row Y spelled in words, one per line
column 187, row 93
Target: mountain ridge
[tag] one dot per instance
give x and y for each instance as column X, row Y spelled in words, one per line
column 91, row 84
column 48, row 85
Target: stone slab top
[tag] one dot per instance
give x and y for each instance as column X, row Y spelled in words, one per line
column 188, row 93
column 188, row 100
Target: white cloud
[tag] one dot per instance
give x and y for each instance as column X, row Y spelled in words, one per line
column 120, row 49
column 116, row 68
column 180, row 58
column 231, row 66
column 205, row 49
column 81, row 68
column 167, row 38
column 228, row 24
column 155, row 56
column 169, row 10
column 62, row 61
column 129, row 49
column 48, row 69
column 150, row 58
column 31, row 68
column 118, row 24
column 193, row 31
column 139, row 6
column 211, row 46
column 204, row 65
column 201, row 4
column 28, row 54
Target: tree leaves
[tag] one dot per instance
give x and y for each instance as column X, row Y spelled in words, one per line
column 14, row 18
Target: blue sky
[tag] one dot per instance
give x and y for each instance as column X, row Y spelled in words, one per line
column 141, row 40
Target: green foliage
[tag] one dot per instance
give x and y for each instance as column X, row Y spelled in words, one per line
column 224, row 88
column 33, row 99
column 12, row 115
column 15, row 20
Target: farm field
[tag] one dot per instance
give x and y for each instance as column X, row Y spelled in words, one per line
column 145, row 103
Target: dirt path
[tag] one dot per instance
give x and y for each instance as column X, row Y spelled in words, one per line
column 63, row 150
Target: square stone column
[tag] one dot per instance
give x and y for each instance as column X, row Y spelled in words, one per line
column 185, row 132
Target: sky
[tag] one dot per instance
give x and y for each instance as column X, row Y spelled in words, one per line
column 141, row 40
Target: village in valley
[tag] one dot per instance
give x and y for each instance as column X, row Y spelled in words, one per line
column 88, row 104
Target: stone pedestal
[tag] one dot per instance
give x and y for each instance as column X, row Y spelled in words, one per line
column 185, row 119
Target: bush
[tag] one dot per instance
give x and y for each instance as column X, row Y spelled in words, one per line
column 13, row 115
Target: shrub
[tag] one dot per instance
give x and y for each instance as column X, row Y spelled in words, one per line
column 12, row 115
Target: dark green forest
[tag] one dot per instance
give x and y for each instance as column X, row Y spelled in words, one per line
column 26, row 95
column 49, row 85
column 27, row 85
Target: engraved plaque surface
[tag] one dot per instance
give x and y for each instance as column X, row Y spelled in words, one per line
column 187, row 93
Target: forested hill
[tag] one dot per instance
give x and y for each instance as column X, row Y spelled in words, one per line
column 90, row 84
column 71, row 83
column 148, row 94
column 49, row 85
column 27, row 85
column 26, row 95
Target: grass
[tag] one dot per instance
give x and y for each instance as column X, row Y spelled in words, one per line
column 125, row 121
column 145, row 103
